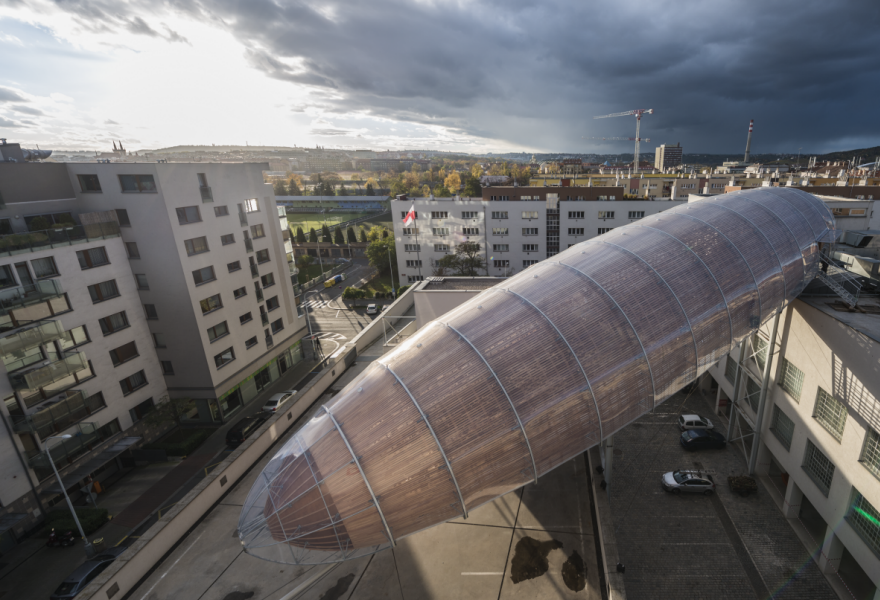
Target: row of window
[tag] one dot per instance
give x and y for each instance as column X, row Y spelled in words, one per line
column 500, row 231
column 530, row 214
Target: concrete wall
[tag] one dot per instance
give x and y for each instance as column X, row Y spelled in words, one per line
column 34, row 182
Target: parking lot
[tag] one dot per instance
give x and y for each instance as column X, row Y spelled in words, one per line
column 696, row 546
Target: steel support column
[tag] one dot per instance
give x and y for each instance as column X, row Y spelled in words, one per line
column 762, row 398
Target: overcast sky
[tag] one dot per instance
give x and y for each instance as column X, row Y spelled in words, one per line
column 475, row 76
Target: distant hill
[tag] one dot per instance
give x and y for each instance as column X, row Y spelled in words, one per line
column 865, row 154
column 222, row 149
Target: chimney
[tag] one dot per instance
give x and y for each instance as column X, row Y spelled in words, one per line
column 749, row 141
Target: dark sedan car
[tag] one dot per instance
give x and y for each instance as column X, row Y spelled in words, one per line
column 698, row 439
column 241, row 430
column 87, row 571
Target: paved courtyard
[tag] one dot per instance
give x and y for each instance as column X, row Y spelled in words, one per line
column 692, row 546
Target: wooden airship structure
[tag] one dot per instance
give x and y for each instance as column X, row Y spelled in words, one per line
column 529, row 373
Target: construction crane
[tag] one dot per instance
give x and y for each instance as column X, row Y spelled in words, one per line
column 637, row 113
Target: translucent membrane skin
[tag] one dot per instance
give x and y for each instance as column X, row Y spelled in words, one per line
column 532, row 372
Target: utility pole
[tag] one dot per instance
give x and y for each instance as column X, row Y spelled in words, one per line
column 90, row 550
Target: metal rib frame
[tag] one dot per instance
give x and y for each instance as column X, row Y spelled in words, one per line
column 434, row 435
column 711, row 274
column 794, row 238
column 364, row 475
column 644, row 352
column 275, row 508
column 506, row 395
column 318, row 485
column 570, row 349
column 674, row 295
column 809, row 227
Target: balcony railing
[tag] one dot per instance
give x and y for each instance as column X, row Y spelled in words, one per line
column 282, row 211
column 264, row 318
column 207, row 195
column 269, row 341
column 19, row 243
column 259, row 295
column 85, row 436
column 25, row 304
column 248, row 244
column 39, row 377
column 53, row 418
column 242, row 218
column 32, row 337
column 255, row 271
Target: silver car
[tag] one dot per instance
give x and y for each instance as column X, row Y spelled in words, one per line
column 695, row 482
column 686, row 422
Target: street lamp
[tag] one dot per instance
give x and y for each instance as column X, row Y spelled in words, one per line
column 391, row 266
column 90, row 550
column 309, row 323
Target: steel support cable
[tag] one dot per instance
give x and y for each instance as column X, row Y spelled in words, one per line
column 790, row 232
column 318, row 485
column 364, row 475
column 674, row 295
column 434, row 435
column 570, row 349
column 742, row 256
column 506, row 395
column 639, row 339
column 708, row 270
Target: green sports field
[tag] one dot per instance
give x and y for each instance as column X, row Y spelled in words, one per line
column 312, row 220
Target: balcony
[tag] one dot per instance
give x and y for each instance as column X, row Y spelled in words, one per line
column 242, row 218
column 22, row 305
column 248, row 244
column 48, row 372
column 264, row 318
column 85, row 436
column 207, row 195
column 259, row 295
column 282, row 212
column 34, row 241
column 255, row 271
column 53, row 417
column 18, row 343
column 269, row 341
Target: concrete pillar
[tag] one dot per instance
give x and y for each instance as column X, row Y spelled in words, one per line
column 793, row 498
column 609, row 459
column 832, row 551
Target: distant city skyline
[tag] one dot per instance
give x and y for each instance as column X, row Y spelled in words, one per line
column 475, row 77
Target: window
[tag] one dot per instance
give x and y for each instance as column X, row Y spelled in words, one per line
column 89, row 183
column 122, row 217
column 262, row 256
column 251, row 205
column 203, row 275
column 471, row 230
column 240, row 293
column 530, row 247
column 605, row 230
column 211, row 304
column 759, row 347
column 221, row 211
column 414, row 278
column 132, row 249
column 113, row 323
column 272, row 303
column 529, row 263
column 411, row 247
column 103, row 291
column 150, row 311
column 865, row 519
column 501, row 264
column 439, row 215
column 529, row 214
column 636, row 214
column 224, row 358
column 871, row 452
column 227, row 239
column 403, row 214
column 245, row 318
column 782, row 427
column 94, row 257
column 831, row 413
column 476, row 246
column 606, row 214
column 469, row 215
column 142, row 283
column 188, row 214
column 818, row 467
column 123, row 354
column 233, row 266
column 576, row 214
column 499, row 214
column 792, row 379
column 167, row 367
column 250, row 343
column 277, row 325
column 753, row 394
column 137, row 183
column 529, row 198
column 257, row 231
column 217, row 331
column 530, row 231
column 133, row 382
column 44, row 267
column 730, row 370
column 500, row 248
column 196, row 245
column 268, row 280
column 159, row 340
column 141, row 410
column 441, row 248
column 441, row 231
column 410, row 231
column 75, row 337
column 575, row 231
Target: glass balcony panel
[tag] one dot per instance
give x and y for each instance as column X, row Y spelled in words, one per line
column 242, row 218
column 26, row 339
column 248, row 244
column 26, row 304
column 23, row 359
column 19, row 243
column 54, row 416
column 63, row 452
column 255, row 270
column 55, row 371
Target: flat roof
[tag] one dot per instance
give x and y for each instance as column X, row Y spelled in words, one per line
column 865, row 318
column 459, row 284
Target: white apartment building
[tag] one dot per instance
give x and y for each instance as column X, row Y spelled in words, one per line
column 513, row 234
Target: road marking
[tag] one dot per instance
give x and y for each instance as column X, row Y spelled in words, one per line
column 337, row 314
column 486, row 573
column 174, row 564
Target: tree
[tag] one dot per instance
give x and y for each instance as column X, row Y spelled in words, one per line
column 170, row 411
column 384, row 233
column 425, row 191
column 472, row 187
column 416, row 168
column 411, row 182
column 453, row 182
column 375, row 233
column 313, row 237
column 303, row 261
column 467, row 261
column 441, row 191
column 363, row 235
column 38, row 224
column 300, row 236
column 370, row 191
column 342, row 191
column 378, row 254
column 338, row 238
column 350, row 236
column 279, row 188
column 325, row 233
column 477, row 170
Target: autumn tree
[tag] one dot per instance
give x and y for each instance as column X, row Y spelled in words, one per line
column 453, row 182
column 477, row 170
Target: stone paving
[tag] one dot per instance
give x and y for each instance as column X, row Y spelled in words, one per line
column 692, row 546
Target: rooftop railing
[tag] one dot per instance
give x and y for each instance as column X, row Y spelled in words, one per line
column 33, row 241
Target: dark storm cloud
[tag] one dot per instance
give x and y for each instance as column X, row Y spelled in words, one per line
column 534, row 74
column 7, row 95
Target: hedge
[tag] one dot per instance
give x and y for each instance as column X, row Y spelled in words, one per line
column 353, row 293
column 90, row 518
column 181, row 442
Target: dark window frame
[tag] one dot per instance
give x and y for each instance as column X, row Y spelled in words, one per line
column 100, row 294
column 204, row 281
column 84, row 256
column 107, row 327
column 115, row 359
column 183, row 215
column 82, row 178
column 188, row 244
column 140, row 181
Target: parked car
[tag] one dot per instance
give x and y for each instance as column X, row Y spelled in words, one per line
column 241, row 430
column 694, row 482
column 275, row 402
column 83, row 574
column 372, row 310
column 686, row 422
column 697, row 439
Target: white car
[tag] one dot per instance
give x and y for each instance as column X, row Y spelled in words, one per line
column 686, row 422
column 275, row 402
column 371, row 309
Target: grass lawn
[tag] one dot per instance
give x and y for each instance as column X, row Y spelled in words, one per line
column 312, row 220
column 313, row 271
column 382, row 283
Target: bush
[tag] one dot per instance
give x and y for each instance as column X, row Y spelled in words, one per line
column 90, row 519
column 181, row 442
column 402, row 290
column 353, row 293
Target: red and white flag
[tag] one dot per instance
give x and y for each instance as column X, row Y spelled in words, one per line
column 410, row 216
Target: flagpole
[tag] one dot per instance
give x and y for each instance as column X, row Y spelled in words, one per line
column 418, row 246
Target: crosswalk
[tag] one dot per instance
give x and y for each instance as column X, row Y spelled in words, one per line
column 315, row 304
